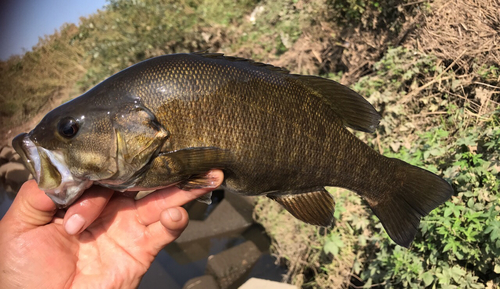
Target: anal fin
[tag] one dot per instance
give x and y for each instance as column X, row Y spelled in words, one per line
column 314, row 207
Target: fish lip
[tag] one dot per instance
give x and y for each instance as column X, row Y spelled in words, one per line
column 70, row 187
column 23, row 145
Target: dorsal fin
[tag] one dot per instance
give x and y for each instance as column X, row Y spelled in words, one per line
column 352, row 108
column 249, row 61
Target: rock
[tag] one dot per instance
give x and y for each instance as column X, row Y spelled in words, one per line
column 3, row 161
column 7, row 153
column 10, row 139
column 16, row 158
column 231, row 266
column 253, row 283
column 202, row 282
column 257, row 234
column 15, row 174
column 3, row 170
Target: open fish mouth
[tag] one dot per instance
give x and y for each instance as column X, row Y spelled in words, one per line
column 50, row 171
column 27, row 150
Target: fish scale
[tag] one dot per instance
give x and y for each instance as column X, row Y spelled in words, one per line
column 168, row 120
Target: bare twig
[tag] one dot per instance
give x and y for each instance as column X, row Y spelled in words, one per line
column 413, row 3
column 410, row 95
column 488, row 85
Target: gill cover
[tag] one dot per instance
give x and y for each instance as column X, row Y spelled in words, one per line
column 139, row 138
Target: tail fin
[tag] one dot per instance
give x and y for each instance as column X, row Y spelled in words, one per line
column 415, row 194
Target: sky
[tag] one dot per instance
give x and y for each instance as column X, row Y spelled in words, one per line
column 23, row 21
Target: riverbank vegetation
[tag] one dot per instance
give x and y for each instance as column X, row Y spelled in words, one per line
column 432, row 68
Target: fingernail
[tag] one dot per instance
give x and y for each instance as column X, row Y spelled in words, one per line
column 74, row 224
column 175, row 214
column 212, row 181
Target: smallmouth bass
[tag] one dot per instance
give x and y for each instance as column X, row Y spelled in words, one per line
column 168, row 120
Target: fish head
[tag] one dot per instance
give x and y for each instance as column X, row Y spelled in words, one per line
column 77, row 144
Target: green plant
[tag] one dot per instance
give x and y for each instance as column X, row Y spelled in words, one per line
column 425, row 123
column 460, row 241
column 369, row 14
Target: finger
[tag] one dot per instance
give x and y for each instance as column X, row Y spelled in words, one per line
column 87, row 208
column 31, row 208
column 172, row 223
column 150, row 207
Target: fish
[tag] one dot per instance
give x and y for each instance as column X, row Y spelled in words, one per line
column 170, row 119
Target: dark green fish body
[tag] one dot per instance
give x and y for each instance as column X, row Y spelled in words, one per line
column 170, row 119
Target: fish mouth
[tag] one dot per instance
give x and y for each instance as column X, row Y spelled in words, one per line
column 24, row 147
column 50, row 171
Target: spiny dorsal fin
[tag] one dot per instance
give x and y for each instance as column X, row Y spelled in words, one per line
column 249, row 61
column 314, row 208
column 352, row 108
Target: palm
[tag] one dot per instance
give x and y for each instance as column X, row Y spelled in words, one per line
column 97, row 256
column 117, row 237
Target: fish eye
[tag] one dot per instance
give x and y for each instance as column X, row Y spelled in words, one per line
column 67, row 127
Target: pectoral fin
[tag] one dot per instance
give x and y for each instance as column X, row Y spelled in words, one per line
column 187, row 168
column 200, row 159
column 314, row 207
column 198, row 182
column 207, row 198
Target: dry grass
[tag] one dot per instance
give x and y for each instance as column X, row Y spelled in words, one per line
column 33, row 83
column 466, row 32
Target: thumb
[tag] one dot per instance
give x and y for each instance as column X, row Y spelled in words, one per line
column 31, row 208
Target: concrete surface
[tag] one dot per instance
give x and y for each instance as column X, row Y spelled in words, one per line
column 202, row 282
column 231, row 266
column 255, row 283
column 6, row 153
column 187, row 252
column 157, row 277
column 230, row 216
column 12, row 172
column 13, row 175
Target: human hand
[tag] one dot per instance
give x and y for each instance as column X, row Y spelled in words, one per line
column 112, row 242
